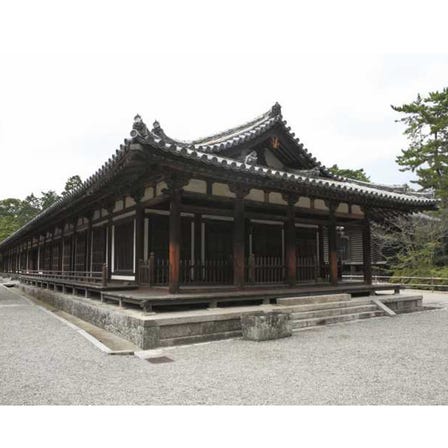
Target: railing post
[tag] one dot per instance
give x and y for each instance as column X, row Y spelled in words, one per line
column 104, row 275
column 152, row 268
column 251, row 268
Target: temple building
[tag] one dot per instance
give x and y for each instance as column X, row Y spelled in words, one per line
column 247, row 207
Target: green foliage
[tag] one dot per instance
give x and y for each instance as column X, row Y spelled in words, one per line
column 8, row 225
column 48, row 198
column 15, row 213
column 351, row 174
column 414, row 246
column 426, row 121
column 72, row 183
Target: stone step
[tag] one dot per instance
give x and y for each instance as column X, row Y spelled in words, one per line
column 333, row 312
column 194, row 339
column 313, row 299
column 305, row 323
column 322, row 306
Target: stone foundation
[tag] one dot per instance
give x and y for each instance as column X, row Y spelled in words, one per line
column 403, row 304
column 136, row 330
column 265, row 326
column 145, row 331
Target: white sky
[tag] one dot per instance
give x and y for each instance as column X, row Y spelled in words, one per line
column 73, row 75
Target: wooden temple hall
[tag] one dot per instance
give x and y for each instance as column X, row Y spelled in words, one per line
column 246, row 208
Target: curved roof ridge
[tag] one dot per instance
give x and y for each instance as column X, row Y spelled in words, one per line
column 273, row 113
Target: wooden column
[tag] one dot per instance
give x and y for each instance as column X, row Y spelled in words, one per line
column 73, row 246
column 367, row 250
column 332, row 250
column 174, row 240
column 290, row 239
column 139, row 230
column 321, row 251
column 197, row 238
column 109, row 208
column 44, row 252
column 238, row 235
column 50, row 250
column 61, row 250
column 88, row 256
column 27, row 264
column 175, row 182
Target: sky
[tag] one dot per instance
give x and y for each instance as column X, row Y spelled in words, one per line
column 72, row 79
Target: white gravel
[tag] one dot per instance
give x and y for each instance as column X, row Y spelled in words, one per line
column 400, row 360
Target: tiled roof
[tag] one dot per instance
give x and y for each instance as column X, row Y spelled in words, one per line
column 340, row 185
column 243, row 134
column 206, row 151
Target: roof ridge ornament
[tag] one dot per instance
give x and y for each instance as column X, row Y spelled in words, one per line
column 156, row 128
column 276, row 109
column 139, row 128
column 251, row 158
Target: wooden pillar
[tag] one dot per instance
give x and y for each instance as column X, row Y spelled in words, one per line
column 88, row 256
column 197, row 238
column 44, row 252
column 61, row 248
column 332, row 250
column 27, row 264
column 320, row 251
column 109, row 208
column 238, row 235
column 367, row 251
column 73, row 246
column 137, row 195
column 174, row 240
column 290, row 239
column 52, row 248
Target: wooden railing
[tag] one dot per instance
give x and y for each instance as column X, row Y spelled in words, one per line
column 208, row 271
column 77, row 276
column 432, row 283
column 307, row 269
column 266, row 269
column 154, row 271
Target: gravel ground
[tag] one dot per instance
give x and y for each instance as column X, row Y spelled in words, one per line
column 403, row 360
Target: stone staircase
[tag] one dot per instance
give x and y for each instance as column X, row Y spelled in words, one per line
column 313, row 311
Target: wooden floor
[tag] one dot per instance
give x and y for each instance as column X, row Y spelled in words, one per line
column 151, row 299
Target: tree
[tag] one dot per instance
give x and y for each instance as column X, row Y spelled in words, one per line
column 412, row 245
column 15, row 213
column 351, row 174
column 426, row 121
column 72, row 183
column 48, row 198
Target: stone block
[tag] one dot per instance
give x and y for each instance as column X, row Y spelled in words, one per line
column 266, row 326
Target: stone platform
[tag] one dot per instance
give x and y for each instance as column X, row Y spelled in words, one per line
column 159, row 299
column 151, row 330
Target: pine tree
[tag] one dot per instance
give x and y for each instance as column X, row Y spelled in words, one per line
column 427, row 131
